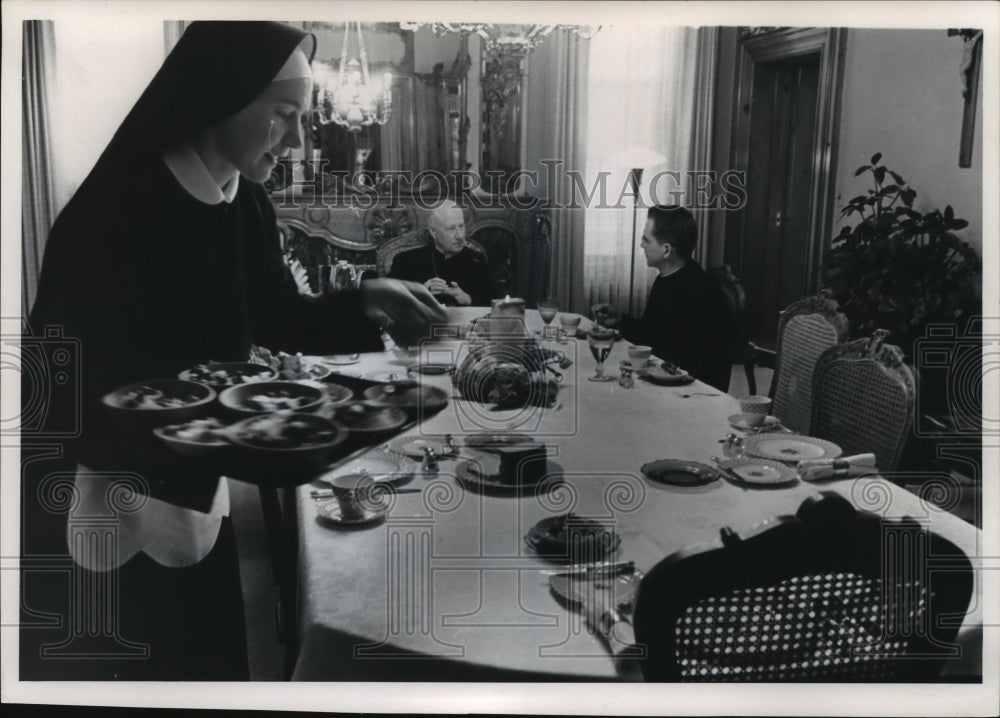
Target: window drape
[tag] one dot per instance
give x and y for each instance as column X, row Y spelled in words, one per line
column 557, row 116
column 37, row 189
column 642, row 92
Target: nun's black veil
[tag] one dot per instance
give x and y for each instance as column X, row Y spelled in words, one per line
column 215, row 70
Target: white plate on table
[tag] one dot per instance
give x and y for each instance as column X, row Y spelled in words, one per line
column 382, row 466
column 790, row 447
column 760, row 472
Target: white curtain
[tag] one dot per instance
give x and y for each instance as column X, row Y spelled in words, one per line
column 556, row 113
column 38, row 204
column 703, row 122
column 641, row 92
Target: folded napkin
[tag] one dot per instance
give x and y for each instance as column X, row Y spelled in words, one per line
column 844, row 467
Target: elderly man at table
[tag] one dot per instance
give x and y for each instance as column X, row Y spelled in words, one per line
column 687, row 319
column 453, row 272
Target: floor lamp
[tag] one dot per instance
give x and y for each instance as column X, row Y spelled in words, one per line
column 637, row 159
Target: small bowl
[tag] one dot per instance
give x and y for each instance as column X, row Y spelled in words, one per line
column 159, row 402
column 179, row 437
column 220, row 375
column 287, row 438
column 267, row 397
column 362, row 419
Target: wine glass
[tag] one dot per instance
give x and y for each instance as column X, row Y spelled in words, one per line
column 547, row 310
column 600, row 340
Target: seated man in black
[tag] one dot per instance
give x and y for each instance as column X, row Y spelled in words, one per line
column 687, row 319
column 454, row 273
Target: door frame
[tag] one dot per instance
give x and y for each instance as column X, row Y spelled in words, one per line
column 767, row 45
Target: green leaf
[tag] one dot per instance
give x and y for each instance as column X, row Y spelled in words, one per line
column 861, row 170
column 899, row 180
column 876, row 157
column 959, row 224
column 879, row 174
column 949, row 213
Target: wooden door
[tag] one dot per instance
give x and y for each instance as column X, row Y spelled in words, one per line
column 784, row 139
column 782, row 136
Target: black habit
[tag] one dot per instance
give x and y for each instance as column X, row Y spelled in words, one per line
column 145, row 281
column 467, row 268
column 687, row 321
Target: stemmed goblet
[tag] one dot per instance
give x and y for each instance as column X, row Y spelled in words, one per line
column 600, row 340
column 547, row 310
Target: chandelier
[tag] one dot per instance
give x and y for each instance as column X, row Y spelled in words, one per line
column 349, row 96
column 511, row 37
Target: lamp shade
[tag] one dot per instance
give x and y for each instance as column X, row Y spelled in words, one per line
column 638, row 157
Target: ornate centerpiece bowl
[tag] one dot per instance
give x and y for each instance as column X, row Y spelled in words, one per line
column 502, row 364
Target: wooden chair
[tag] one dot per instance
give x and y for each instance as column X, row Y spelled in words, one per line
column 388, row 250
column 736, row 296
column 863, row 399
column 806, row 328
column 831, row 594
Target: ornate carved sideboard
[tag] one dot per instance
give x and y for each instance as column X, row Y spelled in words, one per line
column 319, row 231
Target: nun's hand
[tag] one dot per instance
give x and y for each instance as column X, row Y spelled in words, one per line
column 404, row 309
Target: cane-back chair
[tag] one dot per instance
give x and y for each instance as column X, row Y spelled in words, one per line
column 830, row 594
column 806, row 328
column 863, row 399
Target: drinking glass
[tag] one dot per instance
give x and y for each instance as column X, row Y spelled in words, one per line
column 547, row 310
column 568, row 324
column 600, row 340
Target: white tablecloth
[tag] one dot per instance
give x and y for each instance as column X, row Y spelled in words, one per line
column 446, row 588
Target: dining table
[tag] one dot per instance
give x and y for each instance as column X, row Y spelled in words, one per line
column 445, row 586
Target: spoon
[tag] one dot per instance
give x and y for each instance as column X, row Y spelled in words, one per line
column 694, row 393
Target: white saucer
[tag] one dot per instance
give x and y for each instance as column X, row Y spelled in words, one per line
column 330, row 511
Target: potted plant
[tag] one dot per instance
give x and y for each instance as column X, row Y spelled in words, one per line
column 900, row 269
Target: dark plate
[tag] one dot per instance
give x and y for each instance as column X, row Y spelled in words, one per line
column 412, row 397
column 572, row 538
column 470, row 476
column 370, row 420
column 680, row 473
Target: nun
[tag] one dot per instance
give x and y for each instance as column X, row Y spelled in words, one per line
column 168, row 256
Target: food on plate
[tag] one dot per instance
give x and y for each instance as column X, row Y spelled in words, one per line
column 572, row 536
column 671, row 369
column 290, row 367
column 148, row 397
column 286, row 431
column 228, row 374
column 200, row 431
column 277, row 400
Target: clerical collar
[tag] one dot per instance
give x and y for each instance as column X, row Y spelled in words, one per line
column 190, row 171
